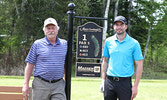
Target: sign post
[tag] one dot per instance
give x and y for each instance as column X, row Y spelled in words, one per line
column 70, row 13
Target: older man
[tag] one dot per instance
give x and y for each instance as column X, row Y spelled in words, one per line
column 47, row 58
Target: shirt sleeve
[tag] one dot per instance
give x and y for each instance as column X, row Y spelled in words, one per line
column 106, row 52
column 137, row 54
column 31, row 57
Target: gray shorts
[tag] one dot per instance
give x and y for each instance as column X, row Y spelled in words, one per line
column 42, row 90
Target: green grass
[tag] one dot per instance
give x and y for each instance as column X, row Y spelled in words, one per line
column 152, row 90
column 88, row 88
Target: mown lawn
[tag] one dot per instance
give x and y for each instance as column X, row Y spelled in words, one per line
column 88, row 88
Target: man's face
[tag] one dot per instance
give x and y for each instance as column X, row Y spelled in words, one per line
column 120, row 28
column 51, row 31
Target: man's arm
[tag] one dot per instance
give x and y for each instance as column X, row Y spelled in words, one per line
column 139, row 70
column 104, row 67
column 27, row 75
column 64, row 71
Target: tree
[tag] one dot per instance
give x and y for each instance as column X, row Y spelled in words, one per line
column 23, row 23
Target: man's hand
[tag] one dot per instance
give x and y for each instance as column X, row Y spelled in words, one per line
column 102, row 86
column 134, row 92
column 25, row 90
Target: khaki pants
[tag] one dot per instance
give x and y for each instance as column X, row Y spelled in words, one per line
column 42, row 90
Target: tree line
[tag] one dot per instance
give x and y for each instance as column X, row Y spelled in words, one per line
column 21, row 23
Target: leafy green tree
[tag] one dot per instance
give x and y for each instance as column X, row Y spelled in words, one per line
column 23, row 24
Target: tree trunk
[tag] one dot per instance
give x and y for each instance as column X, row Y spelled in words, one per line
column 116, row 8
column 106, row 21
column 129, row 16
column 148, row 39
column 104, row 6
column 17, row 10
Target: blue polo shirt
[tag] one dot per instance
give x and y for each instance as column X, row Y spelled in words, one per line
column 48, row 59
column 121, row 55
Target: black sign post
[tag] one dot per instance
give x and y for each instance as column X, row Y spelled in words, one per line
column 70, row 13
column 89, row 41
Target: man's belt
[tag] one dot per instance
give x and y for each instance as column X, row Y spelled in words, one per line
column 118, row 78
column 49, row 81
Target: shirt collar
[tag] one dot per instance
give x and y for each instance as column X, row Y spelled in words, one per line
column 57, row 41
column 125, row 39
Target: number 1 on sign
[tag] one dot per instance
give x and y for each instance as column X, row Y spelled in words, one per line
column 84, row 37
